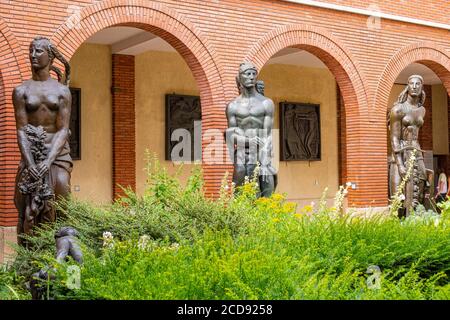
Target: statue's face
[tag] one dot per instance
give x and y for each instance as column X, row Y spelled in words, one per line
column 415, row 87
column 39, row 56
column 260, row 86
column 248, row 78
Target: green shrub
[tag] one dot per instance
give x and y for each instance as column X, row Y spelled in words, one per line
column 11, row 285
column 175, row 243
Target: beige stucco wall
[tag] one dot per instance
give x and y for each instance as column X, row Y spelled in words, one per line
column 91, row 71
column 157, row 73
column 439, row 116
column 304, row 181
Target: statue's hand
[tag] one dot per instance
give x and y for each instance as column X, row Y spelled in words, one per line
column 260, row 141
column 43, row 168
column 253, row 141
column 34, row 172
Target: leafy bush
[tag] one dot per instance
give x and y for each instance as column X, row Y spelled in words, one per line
column 175, row 243
column 11, row 285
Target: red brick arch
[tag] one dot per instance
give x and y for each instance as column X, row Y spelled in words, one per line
column 427, row 53
column 174, row 28
column 351, row 82
column 12, row 64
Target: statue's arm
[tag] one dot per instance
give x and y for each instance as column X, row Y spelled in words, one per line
column 395, row 136
column 21, row 122
column 266, row 135
column 62, row 127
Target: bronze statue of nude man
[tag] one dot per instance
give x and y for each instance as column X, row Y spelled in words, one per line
column 42, row 110
column 249, row 133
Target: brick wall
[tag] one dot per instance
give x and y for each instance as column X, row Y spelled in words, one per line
column 11, row 67
column 446, row 162
column 341, row 136
column 426, row 132
column 429, row 10
column 215, row 36
column 124, row 133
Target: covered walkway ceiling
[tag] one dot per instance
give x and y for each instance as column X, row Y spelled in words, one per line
column 133, row 41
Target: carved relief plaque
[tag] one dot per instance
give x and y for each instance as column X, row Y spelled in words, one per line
column 183, row 112
column 300, row 132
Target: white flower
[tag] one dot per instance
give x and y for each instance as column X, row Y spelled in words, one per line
column 313, row 203
column 108, row 239
column 348, row 184
column 345, row 191
column 143, row 242
column 402, row 197
column 107, row 235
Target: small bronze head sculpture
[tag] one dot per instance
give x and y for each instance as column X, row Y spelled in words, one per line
column 66, row 245
column 260, row 87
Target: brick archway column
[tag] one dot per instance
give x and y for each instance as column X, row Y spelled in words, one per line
column 181, row 34
column 427, row 53
column 360, row 163
column 12, row 68
column 123, row 124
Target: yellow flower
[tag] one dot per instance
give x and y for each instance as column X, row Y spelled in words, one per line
column 277, row 197
column 298, row 215
column 275, row 219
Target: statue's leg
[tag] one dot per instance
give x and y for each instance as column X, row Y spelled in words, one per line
column 250, row 170
column 267, row 185
column 20, row 201
column 394, row 182
column 394, row 179
column 75, row 251
column 423, row 189
column 59, row 179
column 62, row 249
column 239, row 174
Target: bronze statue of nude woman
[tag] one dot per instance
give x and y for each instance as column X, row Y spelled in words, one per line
column 405, row 120
column 42, row 110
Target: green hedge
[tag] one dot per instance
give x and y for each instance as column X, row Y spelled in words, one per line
column 175, row 243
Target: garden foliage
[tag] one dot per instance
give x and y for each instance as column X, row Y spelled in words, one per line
column 173, row 242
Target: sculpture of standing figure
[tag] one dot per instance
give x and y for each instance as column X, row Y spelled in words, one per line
column 249, row 133
column 42, row 111
column 405, row 120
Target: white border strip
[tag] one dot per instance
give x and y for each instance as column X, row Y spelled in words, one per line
column 370, row 13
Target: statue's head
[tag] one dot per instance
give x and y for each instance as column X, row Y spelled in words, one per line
column 41, row 55
column 247, row 75
column 66, row 231
column 414, row 88
column 415, row 85
column 260, row 86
